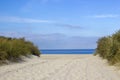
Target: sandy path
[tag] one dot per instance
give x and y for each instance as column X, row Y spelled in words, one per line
column 60, row 67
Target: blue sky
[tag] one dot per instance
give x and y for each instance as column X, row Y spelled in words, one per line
column 60, row 24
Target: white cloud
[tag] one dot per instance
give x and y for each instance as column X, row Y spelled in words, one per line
column 56, row 40
column 13, row 19
column 68, row 26
column 21, row 20
column 105, row 16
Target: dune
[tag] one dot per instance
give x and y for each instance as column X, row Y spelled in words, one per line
column 60, row 67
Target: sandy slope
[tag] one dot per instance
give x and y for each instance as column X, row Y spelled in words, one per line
column 60, row 67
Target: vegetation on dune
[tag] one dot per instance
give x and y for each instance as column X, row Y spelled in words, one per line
column 109, row 48
column 12, row 49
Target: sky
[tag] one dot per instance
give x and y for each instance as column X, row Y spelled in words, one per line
column 60, row 24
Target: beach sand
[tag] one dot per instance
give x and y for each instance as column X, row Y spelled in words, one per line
column 60, row 67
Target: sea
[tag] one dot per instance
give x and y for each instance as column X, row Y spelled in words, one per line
column 67, row 51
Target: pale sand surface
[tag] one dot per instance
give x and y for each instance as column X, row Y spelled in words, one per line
column 60, row 67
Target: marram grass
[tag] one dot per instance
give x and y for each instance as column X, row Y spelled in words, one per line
column 109, row 48
column 12, row 48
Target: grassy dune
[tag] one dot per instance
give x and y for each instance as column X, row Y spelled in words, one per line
column 109, row 48
column 12, row 49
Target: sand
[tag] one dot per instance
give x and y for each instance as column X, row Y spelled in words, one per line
column 60, row 67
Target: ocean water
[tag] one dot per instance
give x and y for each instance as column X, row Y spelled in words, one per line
column 67, row 51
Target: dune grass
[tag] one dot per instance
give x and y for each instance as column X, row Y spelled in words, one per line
column 109, row 48
column 12, row 48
